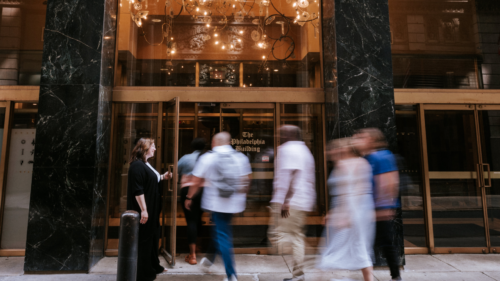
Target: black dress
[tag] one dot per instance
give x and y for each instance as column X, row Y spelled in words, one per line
column 143, row 181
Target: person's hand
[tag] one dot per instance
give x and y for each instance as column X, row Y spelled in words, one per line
column 187, row 204
column 285, row 211
column 144, row 216
column 167, row 176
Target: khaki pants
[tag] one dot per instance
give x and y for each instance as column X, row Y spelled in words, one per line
column 291, row 230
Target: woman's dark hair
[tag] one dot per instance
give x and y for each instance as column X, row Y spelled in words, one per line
column 140, row 149
column 198, row 144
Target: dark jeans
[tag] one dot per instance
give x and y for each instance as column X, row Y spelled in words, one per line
column 384, row 241
column 193, row 216
column 223, row 241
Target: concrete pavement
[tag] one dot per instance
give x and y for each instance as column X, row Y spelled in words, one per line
column 275, row 268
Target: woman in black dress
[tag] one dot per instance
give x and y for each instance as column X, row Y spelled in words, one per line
column 143, row 196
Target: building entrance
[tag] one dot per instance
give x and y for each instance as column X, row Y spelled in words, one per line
column 253, row 128
column 463, row 143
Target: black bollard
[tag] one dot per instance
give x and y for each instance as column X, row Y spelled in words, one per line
column 128, row 246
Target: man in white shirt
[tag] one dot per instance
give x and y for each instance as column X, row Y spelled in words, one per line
column 222, row 205
column 294, row 195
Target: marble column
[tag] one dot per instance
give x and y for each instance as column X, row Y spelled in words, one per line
column 68, row 194
column 358, row 76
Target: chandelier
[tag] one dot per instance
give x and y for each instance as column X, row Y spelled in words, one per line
column 218, row 14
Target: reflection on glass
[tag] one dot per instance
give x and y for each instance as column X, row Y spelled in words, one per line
column 308, row 117
column 18, row 185
column 455, row 194
column 132, row 122
column 410, row 174
column 434, row 43
column 21, row 43
column 490, row 147
column 219, row 44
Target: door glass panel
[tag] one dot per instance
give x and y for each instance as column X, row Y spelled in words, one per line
column 410, row 175
column 308, row 117
column 19, row 172
column 490, row 146
column 132, row 121
column 455, row 194
column 252, row 133
column 170, row 188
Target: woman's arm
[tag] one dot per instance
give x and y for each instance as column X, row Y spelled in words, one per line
column 144, row 211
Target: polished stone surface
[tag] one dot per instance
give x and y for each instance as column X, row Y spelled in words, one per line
column 419, row 267
column 68, row 198
column 358, row 76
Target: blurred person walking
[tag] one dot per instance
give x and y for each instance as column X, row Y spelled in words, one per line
column 193, row 216
column 294, row 195
column 351, row 221
column 227, row 175
column 371, row 143
column 143, row 196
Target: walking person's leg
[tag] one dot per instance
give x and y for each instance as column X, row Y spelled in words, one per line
column 367, row 273
column 225, row 241
column 191, row 223
column 296, row 228
column 384, row 239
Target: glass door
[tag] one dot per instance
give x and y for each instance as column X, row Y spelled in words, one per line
column 489, row 131
column 169, row 155
column 454, row 160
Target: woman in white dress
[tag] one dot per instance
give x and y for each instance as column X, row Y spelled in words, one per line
column 351, row 220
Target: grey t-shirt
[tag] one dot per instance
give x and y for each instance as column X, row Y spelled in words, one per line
column 187, row 162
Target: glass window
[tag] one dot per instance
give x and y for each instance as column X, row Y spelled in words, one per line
column 212, row 43
column 132, row 121
column 309, row 118
column 410, row 173
column 19, row 172
column 21, row 41
column 434, row 44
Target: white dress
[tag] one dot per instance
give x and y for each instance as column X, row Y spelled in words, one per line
column 351, row 223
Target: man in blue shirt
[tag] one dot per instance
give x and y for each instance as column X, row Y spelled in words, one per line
column 371, row 143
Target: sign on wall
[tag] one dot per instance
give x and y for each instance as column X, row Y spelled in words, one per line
column 18, row 189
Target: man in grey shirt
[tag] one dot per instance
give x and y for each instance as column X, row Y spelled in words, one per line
column 193, row 216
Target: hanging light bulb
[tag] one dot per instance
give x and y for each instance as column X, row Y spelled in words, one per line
column 263, row 57
column 215, row 34
column 223, row 47
column 216, row 42
column 205, row 13
column 197, row 9
column 241, row 31
column 239, row 40
column 208, row 25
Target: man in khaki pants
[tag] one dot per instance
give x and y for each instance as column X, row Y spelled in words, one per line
column 294, row 195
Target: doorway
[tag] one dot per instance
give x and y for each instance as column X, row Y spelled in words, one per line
column 463, row 145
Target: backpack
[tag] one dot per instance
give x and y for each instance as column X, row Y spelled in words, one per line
column 228, row 174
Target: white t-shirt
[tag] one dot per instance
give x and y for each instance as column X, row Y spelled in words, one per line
column 294, row 169
column 205, row 168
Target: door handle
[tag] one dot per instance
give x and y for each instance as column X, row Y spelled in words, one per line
column 170, row 183
column 489, row 175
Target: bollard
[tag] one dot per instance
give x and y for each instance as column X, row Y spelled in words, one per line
column 128, row 246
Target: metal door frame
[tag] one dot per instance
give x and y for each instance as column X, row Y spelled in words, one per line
column 479, row 178
column 171, row 184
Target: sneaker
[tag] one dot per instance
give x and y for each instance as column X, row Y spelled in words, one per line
column 299, row 278
column 206, row 264
column 233, row 278
column 397, row 279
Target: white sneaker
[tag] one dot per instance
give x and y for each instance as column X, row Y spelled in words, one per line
column 206, row 265
column 233, row 278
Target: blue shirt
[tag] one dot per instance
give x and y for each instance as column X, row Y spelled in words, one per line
column 186, row 164
column 382, row 161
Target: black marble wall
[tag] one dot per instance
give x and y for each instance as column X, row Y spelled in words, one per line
column 68, row 194
column 358, row 74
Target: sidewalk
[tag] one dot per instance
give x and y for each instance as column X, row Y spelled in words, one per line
column 275, row 268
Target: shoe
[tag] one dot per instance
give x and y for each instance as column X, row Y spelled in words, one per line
column 191, row 260
column 397, row 279
column 298, row 278
column 206, row 265
column 233, row 278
